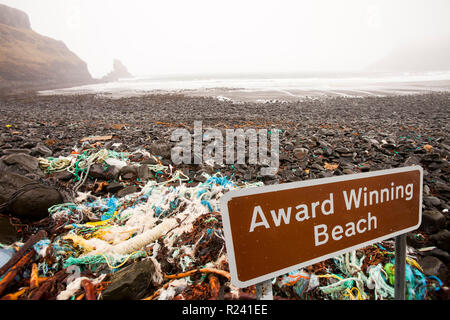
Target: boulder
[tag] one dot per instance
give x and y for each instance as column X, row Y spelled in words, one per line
column 26, row 198
column 131, row 283
column 432, row 221
column 41, row 151
column 161, row 149
column 432, row 266
column 432, row 201
column 112, row 173
column 97, row 172
column 11, row 151
column 126, row 191
column 114, row 187
column 442, row 240
column 128, row 172
column 143, row 172
column 21, row 163
column 300, row 153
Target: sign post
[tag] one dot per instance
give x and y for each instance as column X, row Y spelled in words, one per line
column 272, row 230
column 400, row 267
column 264, row 290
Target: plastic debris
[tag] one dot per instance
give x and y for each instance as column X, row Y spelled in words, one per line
column 176, row 223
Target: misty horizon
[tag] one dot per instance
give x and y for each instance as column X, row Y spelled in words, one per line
column 270, row 37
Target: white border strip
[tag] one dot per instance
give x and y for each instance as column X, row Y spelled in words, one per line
column 294, row 185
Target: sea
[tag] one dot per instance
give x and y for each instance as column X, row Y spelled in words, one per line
column 262, row 87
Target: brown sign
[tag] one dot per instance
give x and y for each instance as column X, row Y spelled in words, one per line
column 272, row 230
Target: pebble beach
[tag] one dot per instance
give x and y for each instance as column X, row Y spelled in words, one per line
column 319, row 138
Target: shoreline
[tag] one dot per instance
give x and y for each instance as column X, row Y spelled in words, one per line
column 319, row 138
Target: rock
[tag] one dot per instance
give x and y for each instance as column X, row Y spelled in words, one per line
column 41, row 151
column 31, row 199
column 97, row 172
column 143, row 172
column 442, row 240
column 426, row 189
column 432, row 221
column 63, row 175
column 440, row 254
column 114, row 187
column 8, row 234
column 342, row 150
column 119, row 71
column 112, row 173
column 128, row 172
column 149, row 161
column 412, row 161
column 432, row 201
column 432, row 266
column 10, row 183
column 131, row 283
column 126, row 191
column 161, row 149
column 20, row 163
column 56, row 63
column 317, row 167
column 300, row 153
column 14, row 18
column 11, row 151
column 442, row 187
column 327, row 132
column 34, row 204
column 364, row 167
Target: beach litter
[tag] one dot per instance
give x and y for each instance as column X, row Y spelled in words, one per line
column 97, row 244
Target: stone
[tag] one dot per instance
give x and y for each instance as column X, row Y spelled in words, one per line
column 342, row 150
column 128, row 172
column 112, row 173
column 327, row 132
column 161, row 149
column 440, row 254
column 41, row 150
column 12, row 151
column 34, row 204
column 432, row 221
column 442, row 239
column 20, row 163
column 97, row 172
column 300, row 153
column 432, row 201
column 126, row 191
column 8, row 234
column 114, row 187
column 131, row 283
column 34, row 199
column 143, row 172
column 63, row 175
column 432, row 266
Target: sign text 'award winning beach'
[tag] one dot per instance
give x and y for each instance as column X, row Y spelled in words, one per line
column 272, row 230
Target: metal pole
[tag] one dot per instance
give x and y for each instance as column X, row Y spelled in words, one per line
column 264, row 290
column 400, row 267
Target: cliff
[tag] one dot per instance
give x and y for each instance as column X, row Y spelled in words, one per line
column 28, row 58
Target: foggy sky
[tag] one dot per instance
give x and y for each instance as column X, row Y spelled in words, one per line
column 209, row 36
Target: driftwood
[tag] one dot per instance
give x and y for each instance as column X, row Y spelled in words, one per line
column 21, row 252
column 21, row 264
